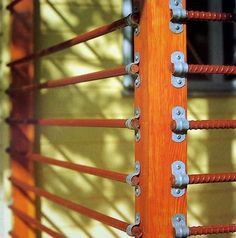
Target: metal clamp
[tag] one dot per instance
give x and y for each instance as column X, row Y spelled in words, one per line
column 177, row 78
column 130, row 177
column 135, row 76
column 181, row 179
column 176, row 6
column 179, row 115
column 136, row 223
column 180, row 226
column 133, row 24
column 134, row 174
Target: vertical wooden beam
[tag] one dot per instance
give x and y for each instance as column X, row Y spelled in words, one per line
column 156, row 97
column 22, row 136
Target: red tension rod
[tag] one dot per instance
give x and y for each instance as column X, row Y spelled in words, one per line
column 121, row 177
column 120, row 225
column 109, row 123
column 204, row 178
column 34, row 223
column 212, row 178
column 209, row 16
column 114, row 72
column 212, row 124
column 208, row 230
column 131, row 20
column 182, row 15
column 184, row 125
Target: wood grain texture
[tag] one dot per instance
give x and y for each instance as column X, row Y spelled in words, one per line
column 22, row 137
column 156, row 97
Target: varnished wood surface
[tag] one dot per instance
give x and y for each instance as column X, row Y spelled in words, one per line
column 156, row 97
column 22, row 136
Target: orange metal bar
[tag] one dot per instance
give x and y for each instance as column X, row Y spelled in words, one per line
column 209, row 230
column 21, row 43
column 156, row 97
column 35, row 224
column 121, row 177
column 111, row 123
column 114, row 72
column 120, row 225
column 78, row 39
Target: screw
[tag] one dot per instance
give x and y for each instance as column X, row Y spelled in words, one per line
column 178, row 112
column 177, row 28
column 178, row 57
column 178, row 219
column 178, row 167
column 176, row 3
column 179, row 81
column 137, row 191
column 178, row 191
column 178, row 137
column 137, row 82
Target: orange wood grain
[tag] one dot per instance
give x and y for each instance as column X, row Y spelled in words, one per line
column 156, row 97
column 22, row 136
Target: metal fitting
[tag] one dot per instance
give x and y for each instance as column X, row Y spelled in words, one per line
column 176, row 7
column 132, row 23
column 181, row 125
column 178, row 14
column 180, row 68
column 180, row 226
column 181, row 179
column 136, row 223
column 134, row 174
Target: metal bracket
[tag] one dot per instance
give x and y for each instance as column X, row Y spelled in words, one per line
column 136, row 76
column 136, row 223
column 177, row 58
column 181, row 179
column 129, row 178
column 180, row 226
column 137, row 114
column 134, row 174
column 133, row 24
column 179, row 115
column 176, row 5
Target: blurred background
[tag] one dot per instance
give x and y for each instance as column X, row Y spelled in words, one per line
column 113, row 149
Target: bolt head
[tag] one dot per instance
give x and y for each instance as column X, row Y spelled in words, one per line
column 178, row 137
column 177, row 28
column 178, row 166
column 178, row 219
column 176, row 3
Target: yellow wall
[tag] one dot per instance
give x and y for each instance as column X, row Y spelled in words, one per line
column 103, row 148
column 209, row 151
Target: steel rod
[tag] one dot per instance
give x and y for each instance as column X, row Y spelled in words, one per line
column 114, row 72
column 208, row 178
column 121, row 177
column 207, row 230
column 78, row 39
column 212, row 124
column 120, row 225
column 212, row 178
column 206, row 125
column 109, row 123
column 209, row 16
column 211, row 69
column 35, row 223
column 12, row 4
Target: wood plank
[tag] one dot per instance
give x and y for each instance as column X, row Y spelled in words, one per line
column 156, row 97
column 22, row 137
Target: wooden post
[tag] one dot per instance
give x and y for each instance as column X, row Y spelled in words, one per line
column 22, row 136
column 156, row 97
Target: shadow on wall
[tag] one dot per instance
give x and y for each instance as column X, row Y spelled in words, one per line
column 103, row 148
column 212, row 152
